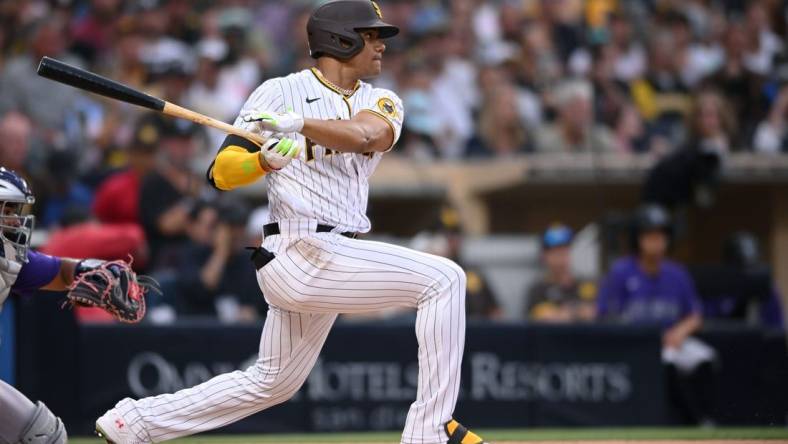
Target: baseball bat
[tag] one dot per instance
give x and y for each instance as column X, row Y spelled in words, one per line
column 58, row 71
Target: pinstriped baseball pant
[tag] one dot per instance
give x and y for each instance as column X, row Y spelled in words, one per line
column 314, row 277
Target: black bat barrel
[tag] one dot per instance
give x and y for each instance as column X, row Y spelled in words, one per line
column 79, row 78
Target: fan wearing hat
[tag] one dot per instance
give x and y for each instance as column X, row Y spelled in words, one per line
column 559, row 296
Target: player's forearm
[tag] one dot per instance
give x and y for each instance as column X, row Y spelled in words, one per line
column 238, row 163
column 689, row 325
column 64, row 276
column 213, row 270
column 340, row 135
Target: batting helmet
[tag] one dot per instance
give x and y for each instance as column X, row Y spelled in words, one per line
column 650, row 217
column 333, row 27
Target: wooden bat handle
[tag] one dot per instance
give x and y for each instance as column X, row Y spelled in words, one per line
column 174, row 110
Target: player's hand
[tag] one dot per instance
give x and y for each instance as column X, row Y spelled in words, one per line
column 277, row 153
column 287, row 122
column 673, row 338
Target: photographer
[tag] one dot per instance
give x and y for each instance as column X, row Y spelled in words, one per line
column 214, row 272
column 690, row 174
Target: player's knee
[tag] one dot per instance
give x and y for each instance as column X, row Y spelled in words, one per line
column 450, row 280
column 456, row 275
column 272, row 384
column 44, row 428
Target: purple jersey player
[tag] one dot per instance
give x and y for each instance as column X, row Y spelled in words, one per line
column 648, row 288
column 21, row 272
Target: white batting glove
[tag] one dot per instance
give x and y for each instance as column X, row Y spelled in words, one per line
column 287, row 122
column 277, row 153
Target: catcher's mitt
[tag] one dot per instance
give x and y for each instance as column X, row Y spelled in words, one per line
column 114, row 287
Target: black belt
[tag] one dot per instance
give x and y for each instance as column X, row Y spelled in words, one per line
column 273, row 229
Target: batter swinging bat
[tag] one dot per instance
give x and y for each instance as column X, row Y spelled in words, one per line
column 79, row 78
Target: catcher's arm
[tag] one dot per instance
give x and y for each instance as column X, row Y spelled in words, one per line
column 64, row 276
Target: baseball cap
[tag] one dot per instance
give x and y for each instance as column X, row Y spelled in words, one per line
column 557, row 235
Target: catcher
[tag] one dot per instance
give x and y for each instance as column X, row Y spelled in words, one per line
column 112, row 286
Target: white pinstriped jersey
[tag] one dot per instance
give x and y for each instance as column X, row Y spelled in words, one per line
column 329, row 186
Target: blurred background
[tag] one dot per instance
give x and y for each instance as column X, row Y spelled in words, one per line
column 613, row 175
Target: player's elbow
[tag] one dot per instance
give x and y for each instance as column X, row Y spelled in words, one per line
column 367, row 140
column 361, row 141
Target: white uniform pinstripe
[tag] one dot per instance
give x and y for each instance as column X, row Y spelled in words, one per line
column 315, row 276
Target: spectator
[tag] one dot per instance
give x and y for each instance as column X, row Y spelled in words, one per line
column 501, row 133
column 574, row 130
column 743, row 86
column 64, row 191
column 167, row 191
column 649, row 289
column 691, row 174
column 630, row 61
column 771, row 134
column 47, row 103
column 215, row 275
column 559, row 296
column 661, row 96
column 634, row 136
column 118, row 197
column 15, row 133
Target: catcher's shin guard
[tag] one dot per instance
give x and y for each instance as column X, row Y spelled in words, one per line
column 460, row 435
column 44, row 428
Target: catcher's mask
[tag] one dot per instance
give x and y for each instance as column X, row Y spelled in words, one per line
column 16, row 225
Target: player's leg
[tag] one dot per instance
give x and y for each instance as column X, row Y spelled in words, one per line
column 22, row 421
column 289, row 346
column 330, row 273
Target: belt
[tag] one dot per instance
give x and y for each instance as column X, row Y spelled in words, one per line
column 273, row 229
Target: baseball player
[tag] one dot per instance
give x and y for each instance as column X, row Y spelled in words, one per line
column 311, row 267
column 23, row 271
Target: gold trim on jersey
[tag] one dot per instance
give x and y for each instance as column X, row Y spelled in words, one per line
column 388, row 120
column 344, row 93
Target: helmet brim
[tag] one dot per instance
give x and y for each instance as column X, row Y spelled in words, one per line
column 385, row 30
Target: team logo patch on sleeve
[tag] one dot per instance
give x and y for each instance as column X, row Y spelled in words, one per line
column 386, row 106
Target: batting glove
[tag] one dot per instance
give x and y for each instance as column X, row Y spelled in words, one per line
column 277, row 153
column 287, row 122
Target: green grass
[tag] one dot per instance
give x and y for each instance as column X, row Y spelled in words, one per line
column 498, row 435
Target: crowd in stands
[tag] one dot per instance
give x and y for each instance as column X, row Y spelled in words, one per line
column 479, row 79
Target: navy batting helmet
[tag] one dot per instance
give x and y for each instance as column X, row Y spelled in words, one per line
column 650, row 217
column 333, row 27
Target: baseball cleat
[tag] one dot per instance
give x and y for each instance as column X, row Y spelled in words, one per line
column 112, row 427
column 460, row 435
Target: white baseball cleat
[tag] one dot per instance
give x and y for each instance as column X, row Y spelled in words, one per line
column 112, row 427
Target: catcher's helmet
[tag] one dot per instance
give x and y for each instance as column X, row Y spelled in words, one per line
column 15, row 226
column 333, row 27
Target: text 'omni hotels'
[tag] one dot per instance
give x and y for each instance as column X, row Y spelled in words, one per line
column 490, row 379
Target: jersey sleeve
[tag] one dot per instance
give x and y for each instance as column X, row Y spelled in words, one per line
column 388, row 106
column 267, row 97
column 39, row 270
column 237, row 162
